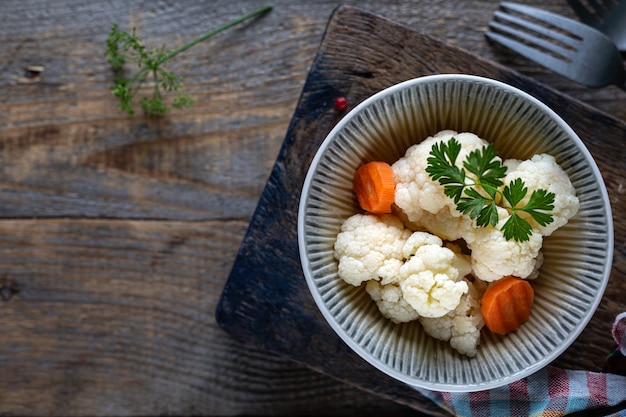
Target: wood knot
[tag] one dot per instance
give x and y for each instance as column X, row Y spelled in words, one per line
column 33, row 71
column 32, row 74
column 8, row 289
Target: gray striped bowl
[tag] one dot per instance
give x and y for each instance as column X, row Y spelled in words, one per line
column 577, row 256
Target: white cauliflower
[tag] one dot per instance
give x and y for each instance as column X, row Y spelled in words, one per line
column 494, row 257
column 417, row 195
column 448, row 224
column 414, row 265
column 390, row 302
column 542, row 171
column 426, row 207
column 461, row 326
column 370, row 247
column 412, row 275
column 432, row 278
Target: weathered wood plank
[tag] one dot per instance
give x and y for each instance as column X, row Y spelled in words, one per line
column 134, row 170
column 69, row 152
column 102, row 319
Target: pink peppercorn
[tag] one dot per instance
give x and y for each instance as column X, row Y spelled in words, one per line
column 341, row 103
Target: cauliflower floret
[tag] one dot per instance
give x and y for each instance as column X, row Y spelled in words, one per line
column 494, row 257
column 542, row 171
column 370, row 247
column 390, row 302
column 431, row 279
column 419, row 241
column 462, row 325
column 425, row 205
column 416, row 193
column 462, row 262
column 447, row 225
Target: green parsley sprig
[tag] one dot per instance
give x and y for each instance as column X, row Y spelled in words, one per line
column 123, row 47
column 477, row 190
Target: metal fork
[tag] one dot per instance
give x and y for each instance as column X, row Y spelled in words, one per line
column 608, row 16
column 565, row 46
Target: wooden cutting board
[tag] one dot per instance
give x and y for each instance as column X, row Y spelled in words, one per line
column 266, row 301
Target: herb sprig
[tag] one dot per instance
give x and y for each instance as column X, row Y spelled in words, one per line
column 476, row 189
column 123, row 47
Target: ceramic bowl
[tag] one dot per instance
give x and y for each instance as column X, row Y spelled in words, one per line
column 577, row 257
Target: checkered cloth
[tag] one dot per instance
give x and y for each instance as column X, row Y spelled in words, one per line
column 549, row 392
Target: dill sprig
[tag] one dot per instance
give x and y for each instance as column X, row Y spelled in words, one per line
column 124, row 47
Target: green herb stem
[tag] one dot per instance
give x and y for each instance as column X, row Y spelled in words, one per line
column 123, row 47
column 222, row 28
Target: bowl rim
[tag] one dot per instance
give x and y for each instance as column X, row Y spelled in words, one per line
column 367, row 356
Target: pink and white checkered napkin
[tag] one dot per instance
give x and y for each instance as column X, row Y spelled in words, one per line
column 550, row 392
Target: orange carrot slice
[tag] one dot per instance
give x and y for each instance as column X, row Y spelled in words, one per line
column 374, row 187
column 506, row 305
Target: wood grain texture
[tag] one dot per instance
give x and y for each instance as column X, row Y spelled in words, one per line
column 116, row 318
column 118, row 233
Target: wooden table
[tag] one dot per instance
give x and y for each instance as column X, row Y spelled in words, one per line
column 118, row 233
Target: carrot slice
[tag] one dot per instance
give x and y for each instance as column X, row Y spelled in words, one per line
column 506, row 305
column 375, row 187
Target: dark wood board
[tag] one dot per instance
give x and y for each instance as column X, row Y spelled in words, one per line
column 266, row 301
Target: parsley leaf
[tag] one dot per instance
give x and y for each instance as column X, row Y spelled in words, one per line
column 516, row 228
column 477, row 189
column 441, row 166
column 486, row 167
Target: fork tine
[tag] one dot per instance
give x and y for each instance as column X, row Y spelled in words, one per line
column 531, row 39
column 531, row 53
column 562, row 22
column 550, row 46
column 593, row 60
